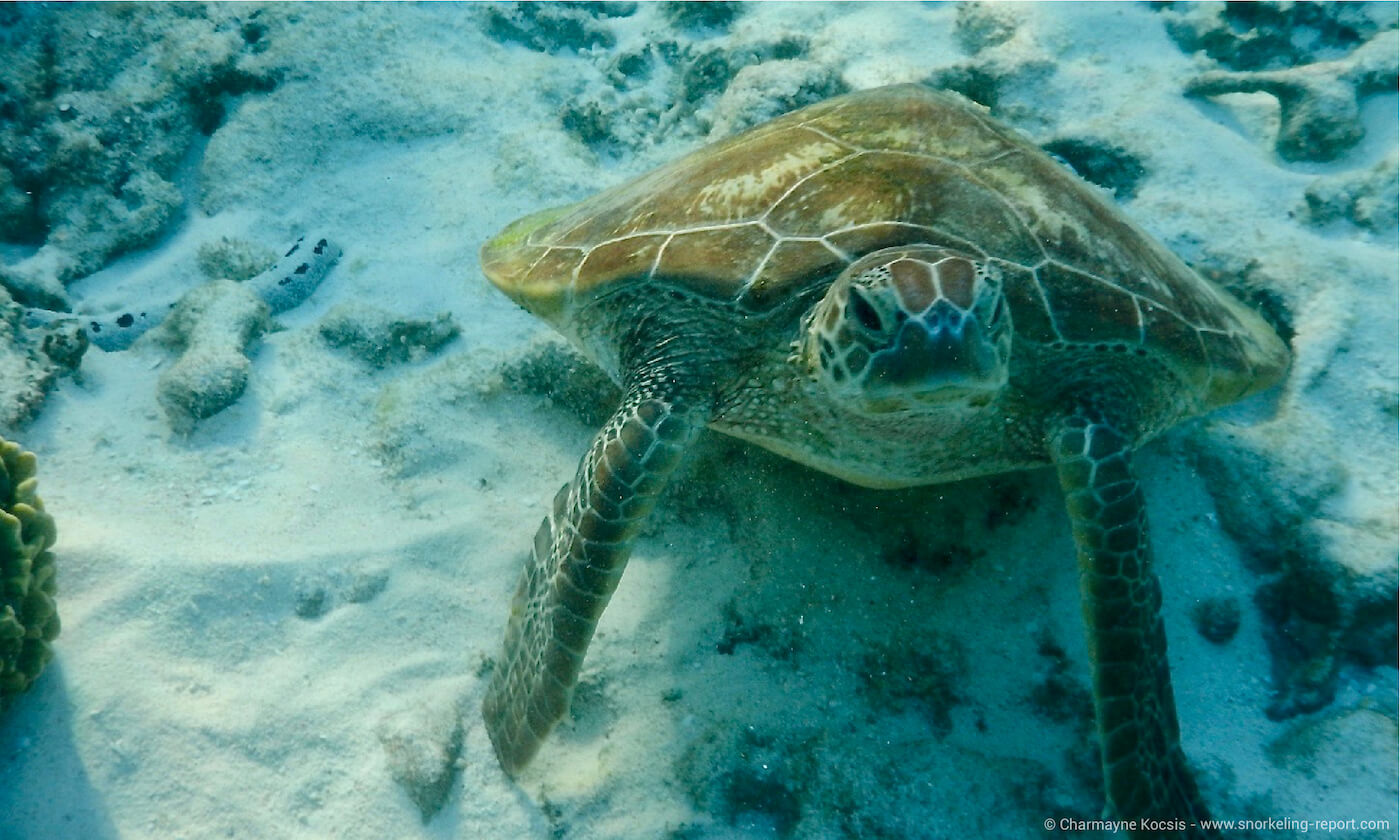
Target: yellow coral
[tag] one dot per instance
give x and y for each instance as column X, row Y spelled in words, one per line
column 28, row 616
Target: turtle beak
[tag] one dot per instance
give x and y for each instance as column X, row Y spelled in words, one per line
column 944, row 350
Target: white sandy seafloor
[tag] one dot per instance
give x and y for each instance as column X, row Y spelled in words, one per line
column 271, row 622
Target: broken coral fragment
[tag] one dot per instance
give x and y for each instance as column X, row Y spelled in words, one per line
column 1368, row 198
column 1319, row 104
column 212, row 325
column 381, row 338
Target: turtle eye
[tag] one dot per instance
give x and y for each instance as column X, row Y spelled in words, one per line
column 864, row 312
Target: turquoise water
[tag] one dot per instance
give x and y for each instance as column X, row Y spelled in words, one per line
column 291, row 515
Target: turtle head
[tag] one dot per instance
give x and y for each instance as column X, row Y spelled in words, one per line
column 911, row 328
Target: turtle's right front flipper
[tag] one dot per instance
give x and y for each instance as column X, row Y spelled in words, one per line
column 580, row 551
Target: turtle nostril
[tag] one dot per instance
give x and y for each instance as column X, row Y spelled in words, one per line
column 864, row 312
column 946, row 317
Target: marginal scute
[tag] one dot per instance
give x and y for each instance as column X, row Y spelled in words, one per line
column 1177, row 341
column 540, row 288
column 1228, row 383
column 619, row 259
column 514, row 249
column 551, row 265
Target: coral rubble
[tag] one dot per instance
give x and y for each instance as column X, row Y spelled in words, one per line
column 381, row 338
column 97, row 113
column 211, row 326
column 1317, row 59
column 1319, row 104
column 1368, row 198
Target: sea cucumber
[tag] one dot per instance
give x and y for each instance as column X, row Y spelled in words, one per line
column 284, row 286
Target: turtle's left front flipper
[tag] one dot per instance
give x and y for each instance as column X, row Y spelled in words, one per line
column 1145, row 772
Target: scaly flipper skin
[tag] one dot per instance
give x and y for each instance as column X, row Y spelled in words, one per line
column 580, row 551
column 1145, row 772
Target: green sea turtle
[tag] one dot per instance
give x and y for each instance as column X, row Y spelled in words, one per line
column 890, row 287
